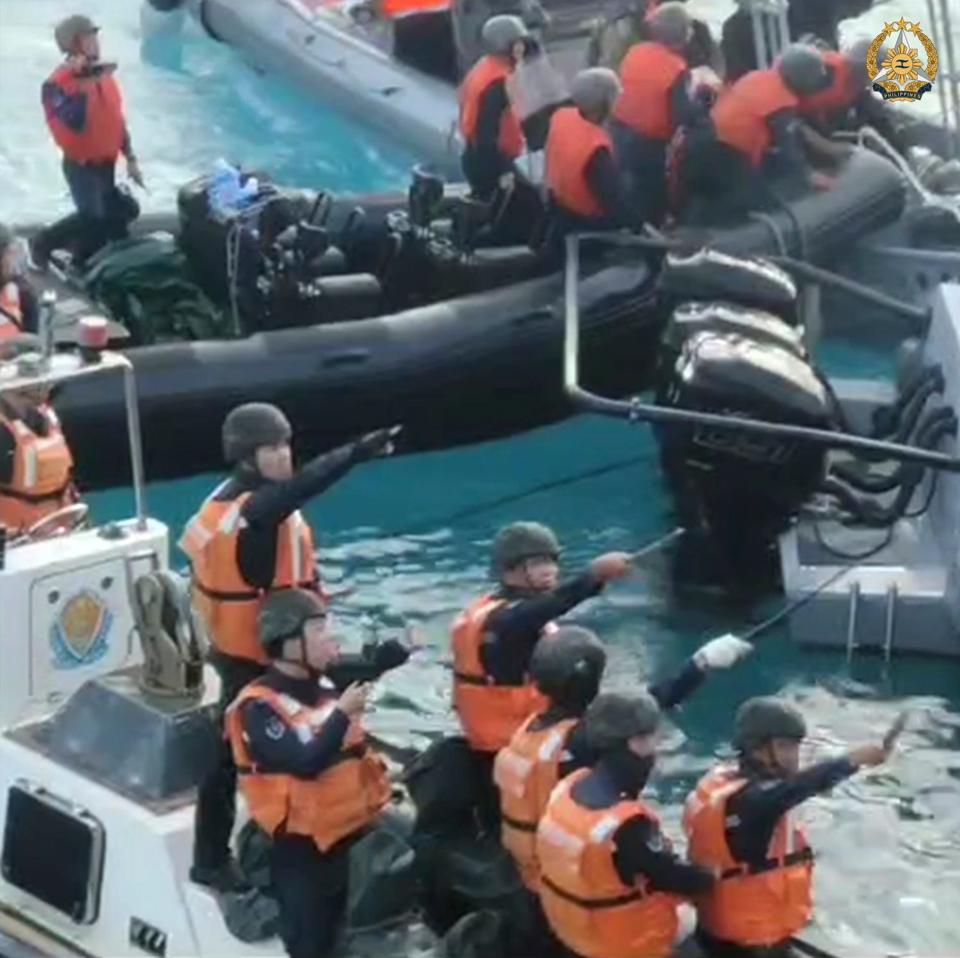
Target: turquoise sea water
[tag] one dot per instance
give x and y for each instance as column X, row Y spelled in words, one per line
column 890, row 840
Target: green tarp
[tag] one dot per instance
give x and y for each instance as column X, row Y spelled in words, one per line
column 145, row 284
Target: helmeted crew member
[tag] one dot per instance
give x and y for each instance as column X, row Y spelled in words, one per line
column 567, row 668
column 616, row 33
column 19, row 309
column 737, row 822
column 308, row 777
column 84, row 112
column 610, row 884
column 491, row 131
column 36, row 466
column 423, row 35
column 848, row 103
column 582, row 174
column 755, row 136
column 654, row 103
column 249, row 538
column 807, row 19
column 494, row 638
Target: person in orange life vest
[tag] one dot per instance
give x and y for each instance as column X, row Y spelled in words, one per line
column 738, row 822
column 494, row 638
column 490, row 129
column 610, row 884
column 582, row 174
column 19, row 309
column 307, row 775
column 36, row 466
column 656, row 100
column 848, row 103
column 567, row 668
column 83, row 106
column 249, row 538
column 755, row 137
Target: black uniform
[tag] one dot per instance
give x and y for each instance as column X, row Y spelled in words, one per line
column 753, row 814
column 268, row 506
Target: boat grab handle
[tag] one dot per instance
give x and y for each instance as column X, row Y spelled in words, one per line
column 349, row 357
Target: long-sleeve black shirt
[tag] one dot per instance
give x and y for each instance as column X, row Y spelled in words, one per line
column 512, row 631
column 271, row 503
column 275, row 747
column 641, row 850
column 753, row 812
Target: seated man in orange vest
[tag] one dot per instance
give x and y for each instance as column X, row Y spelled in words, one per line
column 19, row 309
column 848, row 103
column 567, row 668
column 309, row 779
column 83, row 107
column 494, row 638
column 654, row 103
column 582, row 175
column 755, row 137
column 610, row 885
column 36, row 466
column 737, row 823
column 249, row 538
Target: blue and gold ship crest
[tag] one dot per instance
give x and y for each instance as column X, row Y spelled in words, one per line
column 79, row 635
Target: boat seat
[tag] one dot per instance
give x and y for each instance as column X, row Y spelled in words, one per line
column 170, row 635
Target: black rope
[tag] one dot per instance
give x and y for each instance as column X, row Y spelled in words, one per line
column 482, row 507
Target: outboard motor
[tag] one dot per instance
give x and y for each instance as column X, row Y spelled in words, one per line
column 737, row 489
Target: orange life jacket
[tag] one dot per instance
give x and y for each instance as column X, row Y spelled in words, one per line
column 11, row 312
column 489, row 713
column 649, row 72
column 101, row 138
column 42, row 473
column 396, row 9
column 741, row 114
column 343, row 799
column 836, row 98
column 571, row 144
column 588, row 906
column 228, row 604
column 526, row 772
column 752, row 905
column 485, row 73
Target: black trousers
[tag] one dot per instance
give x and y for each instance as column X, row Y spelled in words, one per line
column 311, row 891
column 217, row 795
column 643, row 164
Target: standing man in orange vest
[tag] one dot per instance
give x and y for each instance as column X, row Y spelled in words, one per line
column 308, row 777
column 755, row 136
column 610, row 884
column 582, row 176
column 738, row 823
column 248, row 539
column 654, row 103
column 494, row 638
column 491, row 132
column 84, row 112
column 551, row 744
column 36, row 466
column 19, row 310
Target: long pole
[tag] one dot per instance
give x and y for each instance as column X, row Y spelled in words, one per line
column 136, row 449
column 571, row 341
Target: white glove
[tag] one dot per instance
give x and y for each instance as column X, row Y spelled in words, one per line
column 721, row 652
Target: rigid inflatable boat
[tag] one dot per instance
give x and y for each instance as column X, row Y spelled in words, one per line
column 458, row 344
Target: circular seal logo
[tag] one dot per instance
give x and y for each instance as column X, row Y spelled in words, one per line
column 900, row 72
